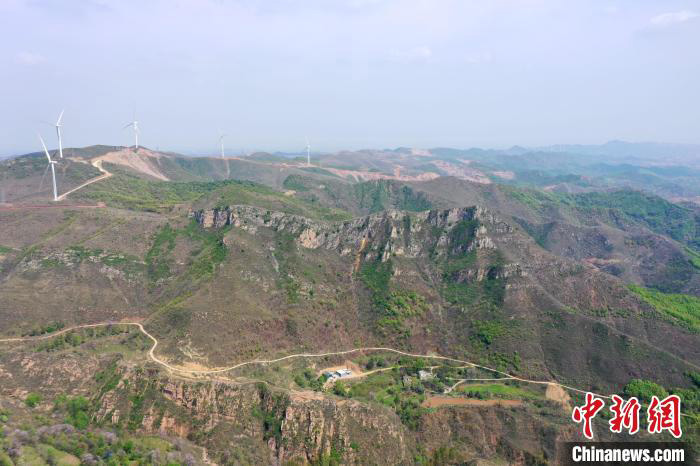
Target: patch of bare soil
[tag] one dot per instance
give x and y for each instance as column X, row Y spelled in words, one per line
column 306, row 395
column 143, row 161
column 372, row 176
column 440, row 400
column 462, row 172
column 556, row 393
column 346, row 365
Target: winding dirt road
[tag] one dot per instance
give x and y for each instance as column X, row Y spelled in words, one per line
column 154, row 358
column 97, row 164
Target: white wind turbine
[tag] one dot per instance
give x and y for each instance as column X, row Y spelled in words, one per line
column 308, row 153
column 221, row 143
column 53, row 170
column 135, row 125
column 59, row 125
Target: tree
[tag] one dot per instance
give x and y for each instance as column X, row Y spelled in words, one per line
column 32, row 400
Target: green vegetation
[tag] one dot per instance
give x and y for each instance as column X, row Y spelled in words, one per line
column 127, row 191
column 682, row 309
column 332, row 458
column 375, row 361
column 108, row 379
column 271, row 412
column 32, row 400
column 535, row 199
column 487, row 391
column 651, row 211
column 380, row 195
column 158, row 259
column 694, row 257
column 76, row 410
column 132, row 192
column 211, row 249
column 308, row 379
column 126, row 263
column 61, row 445
column 49, row 328
column 207, row 252
column 295, row 182
column 644, row 390
column 248, row 193
column 386, row 388
column 695, row 377
column 462, row 235
column 690, row 404
column 487, row 331
column 655, row 212
column 440, row 456
column 5, row 249
column 487, row 293
column 393, row 306
column 76, row 338
column 289, row 267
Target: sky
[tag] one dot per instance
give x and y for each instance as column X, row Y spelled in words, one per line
column 348, row 74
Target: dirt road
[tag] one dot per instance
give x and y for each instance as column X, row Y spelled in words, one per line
column 105, row 174
column 204, row 372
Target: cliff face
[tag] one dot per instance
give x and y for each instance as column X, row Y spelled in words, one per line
column 253, row 424
column 390, row 233
column 277, row 427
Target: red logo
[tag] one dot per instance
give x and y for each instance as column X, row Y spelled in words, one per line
column 625, row 414
column 661, row 415
column 665, row 415
column 587, row 412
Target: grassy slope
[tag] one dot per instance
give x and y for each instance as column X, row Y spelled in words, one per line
column 21, row 178
column 135, row 193
column 684, row 309
column 359, row 198
column 677, row 222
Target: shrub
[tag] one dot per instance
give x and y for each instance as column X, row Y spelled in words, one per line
column 32, row 400
column 645, row 389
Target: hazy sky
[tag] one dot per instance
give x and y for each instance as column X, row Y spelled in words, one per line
column 349, row 73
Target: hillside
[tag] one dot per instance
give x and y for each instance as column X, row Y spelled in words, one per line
column 591, row 290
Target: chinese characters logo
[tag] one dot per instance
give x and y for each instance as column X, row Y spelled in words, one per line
column 662, row 415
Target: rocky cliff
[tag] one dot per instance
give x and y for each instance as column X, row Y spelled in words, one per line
column 383, row 235
column 251, row 423
column 264, row 425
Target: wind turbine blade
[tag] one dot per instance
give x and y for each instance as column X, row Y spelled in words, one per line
column 46, row 170
column 130, row 124
column 46, row 151
column 58, row 123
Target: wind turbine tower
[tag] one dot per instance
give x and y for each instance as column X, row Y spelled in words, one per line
column 59, row 125
column 53, row 170
column 134, row 124
column 308, row 153
column 221, row 143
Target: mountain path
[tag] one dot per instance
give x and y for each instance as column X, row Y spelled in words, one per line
column 97, row 164
column 154, row 358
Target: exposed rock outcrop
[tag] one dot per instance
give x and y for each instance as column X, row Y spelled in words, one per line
column 390, row 233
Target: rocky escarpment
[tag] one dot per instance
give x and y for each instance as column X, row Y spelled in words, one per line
column 383, row 235
column 251, row 423
column 261, row 425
